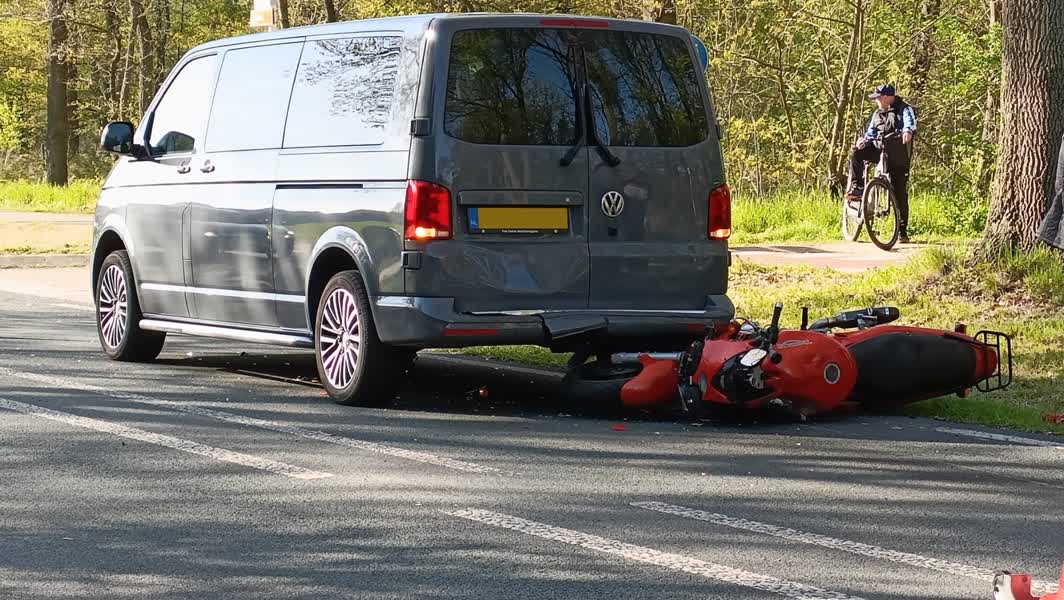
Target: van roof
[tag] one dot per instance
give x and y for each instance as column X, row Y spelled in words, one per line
column 409, row 24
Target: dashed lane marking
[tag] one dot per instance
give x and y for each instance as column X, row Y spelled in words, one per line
column 321, row 436
column 915, row 560
column 166, row 441
column 675, row 562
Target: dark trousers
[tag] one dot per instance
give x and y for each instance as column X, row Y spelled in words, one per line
column 898, row 162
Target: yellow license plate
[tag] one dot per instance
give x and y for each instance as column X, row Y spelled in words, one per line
column 519, row 219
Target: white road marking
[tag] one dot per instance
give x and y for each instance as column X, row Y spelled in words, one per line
column 87, row 307
column 815, row 539
column 675, row 562
column 1000, row 437
column 167, row 441
column 321, row 436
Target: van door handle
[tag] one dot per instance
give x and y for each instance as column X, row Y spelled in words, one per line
column 208, row 167
column 184, row 167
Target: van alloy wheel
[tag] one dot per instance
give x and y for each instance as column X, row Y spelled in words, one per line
column 113, row 305
column 341, row 338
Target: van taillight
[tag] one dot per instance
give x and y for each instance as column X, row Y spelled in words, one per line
column 719, row 225
column 428, row 211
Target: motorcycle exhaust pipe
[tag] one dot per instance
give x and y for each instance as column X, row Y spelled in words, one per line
column 623, row 358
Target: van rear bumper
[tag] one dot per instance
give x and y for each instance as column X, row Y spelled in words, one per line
column 421, row 322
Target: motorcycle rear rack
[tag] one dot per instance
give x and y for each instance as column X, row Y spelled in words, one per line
column 1002, row 344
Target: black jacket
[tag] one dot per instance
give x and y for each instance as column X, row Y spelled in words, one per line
column 1052, row 230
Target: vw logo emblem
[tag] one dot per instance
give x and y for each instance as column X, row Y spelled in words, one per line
column 612, row 204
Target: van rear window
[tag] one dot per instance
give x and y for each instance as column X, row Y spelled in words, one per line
column 511, row 86
column 644, row 89
column 518, row 86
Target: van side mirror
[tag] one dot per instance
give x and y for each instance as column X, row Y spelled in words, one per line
column 117, row 138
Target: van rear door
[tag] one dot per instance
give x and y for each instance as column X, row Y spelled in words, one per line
column 509, row 116
column 649, row 184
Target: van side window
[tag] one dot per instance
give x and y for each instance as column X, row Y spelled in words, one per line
column 511, row 86
column 252, row 97
column 644, row 89
column 179, row 116
column 343, row 92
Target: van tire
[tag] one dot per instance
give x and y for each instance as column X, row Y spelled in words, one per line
column 121, row 337
column 596, row 388
column 344, row 333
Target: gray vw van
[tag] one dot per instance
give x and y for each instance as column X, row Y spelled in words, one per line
column 372, row 188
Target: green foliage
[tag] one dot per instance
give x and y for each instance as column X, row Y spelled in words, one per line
column 529, row 355
column 775, row 74
column 812, row 215
column 22, row 94
column 77, row 197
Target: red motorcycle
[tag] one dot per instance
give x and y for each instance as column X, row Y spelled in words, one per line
column 814, row 369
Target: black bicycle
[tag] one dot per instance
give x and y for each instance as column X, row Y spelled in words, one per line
column 877, row 209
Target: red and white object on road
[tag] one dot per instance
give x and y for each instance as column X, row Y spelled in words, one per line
column 1017, row 586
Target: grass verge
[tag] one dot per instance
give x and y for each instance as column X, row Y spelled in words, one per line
column 27, row 250
column 1020, row 294
column 77, row 197
column 814, row 216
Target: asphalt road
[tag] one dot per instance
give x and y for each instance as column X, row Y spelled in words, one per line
column 221, row 471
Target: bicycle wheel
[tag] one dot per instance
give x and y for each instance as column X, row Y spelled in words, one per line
column 881, row 214
column 852, row 219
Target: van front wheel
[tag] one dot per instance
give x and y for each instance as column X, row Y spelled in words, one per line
column 118, row 313
column 353, row 364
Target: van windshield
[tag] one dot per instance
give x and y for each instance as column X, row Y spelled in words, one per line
column 518, row 86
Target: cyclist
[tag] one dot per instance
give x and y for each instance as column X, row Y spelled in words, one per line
column 1052, row 229
column 893, row 115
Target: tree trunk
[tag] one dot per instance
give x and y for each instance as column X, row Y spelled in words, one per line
column 162, row 35
column 665, row 12
column 330, row 11
column 991, row 117
column 113, row 91
column 282, row 7
column 142, row 34
column 73, row 124
column 1032, row 84
column 781, row 87
column 123, row 89
column 57, row 137
column 837, row 147
column 923, row 49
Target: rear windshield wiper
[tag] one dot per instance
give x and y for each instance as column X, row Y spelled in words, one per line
column 610, row 158
column 581, row 131
column 586, row 133
column 570, row 154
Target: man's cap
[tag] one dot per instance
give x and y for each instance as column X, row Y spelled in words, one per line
column 883, row 90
